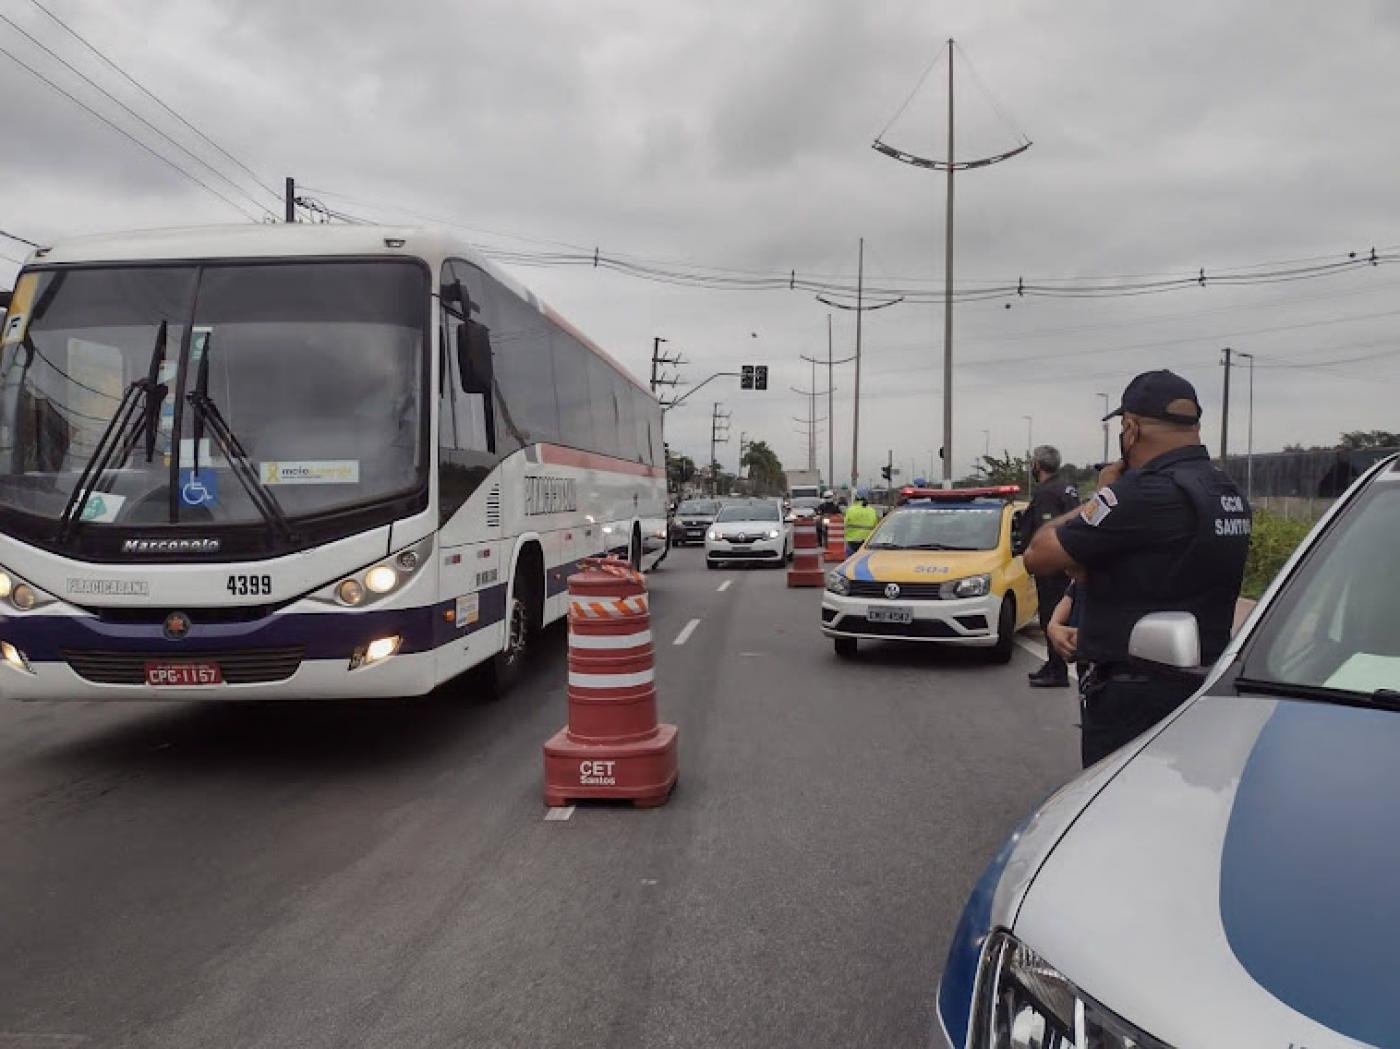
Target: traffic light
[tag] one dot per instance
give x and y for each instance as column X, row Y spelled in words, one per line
column 760, row 377
column 746, row 377
column 887, row 473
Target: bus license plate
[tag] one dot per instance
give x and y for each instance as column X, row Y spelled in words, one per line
column 183, row 674
column 890, row 615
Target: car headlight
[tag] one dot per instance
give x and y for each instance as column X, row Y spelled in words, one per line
column 837, row 583
column 774, row 533
column 712, row 536
column 1024, row 1003
column 972, row 586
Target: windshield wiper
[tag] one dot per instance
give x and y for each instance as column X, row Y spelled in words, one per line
column 207, row 414
column 140, row 401
column 1384, row 698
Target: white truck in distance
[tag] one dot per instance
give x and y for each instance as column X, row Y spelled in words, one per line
column 802, row 483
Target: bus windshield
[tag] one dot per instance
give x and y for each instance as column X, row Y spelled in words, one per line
column 318, row 370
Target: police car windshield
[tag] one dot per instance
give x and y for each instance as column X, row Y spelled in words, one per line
column 1333, row 626
column 749, row 512
column 966, row 527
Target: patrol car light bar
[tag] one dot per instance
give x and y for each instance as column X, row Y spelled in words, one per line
column 1001, row 490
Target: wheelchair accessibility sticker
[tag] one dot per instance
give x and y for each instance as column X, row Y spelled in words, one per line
column 199, row 489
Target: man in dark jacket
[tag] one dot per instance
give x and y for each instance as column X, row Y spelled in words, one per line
column 1052, row 497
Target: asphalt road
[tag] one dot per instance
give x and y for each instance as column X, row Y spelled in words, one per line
column 382, row 875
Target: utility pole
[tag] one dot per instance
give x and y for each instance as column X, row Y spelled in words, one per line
column 860, row 308
column 812, row 419
column 1105, row 428
column 1225, row 412
column 719, row 434
column 830, row 363
column 659, row 361
column 1030, row 466
column 1249, row 446
column 290, row 199
column 950, row 165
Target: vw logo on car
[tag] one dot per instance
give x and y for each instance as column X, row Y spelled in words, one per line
column 892, row 591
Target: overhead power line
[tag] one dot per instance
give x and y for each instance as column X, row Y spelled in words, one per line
column 125, row 133
column 127, row 109
column 158, row 100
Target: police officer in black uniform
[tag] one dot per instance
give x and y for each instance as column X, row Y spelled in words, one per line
column 1053, row 497
column 1166, row 531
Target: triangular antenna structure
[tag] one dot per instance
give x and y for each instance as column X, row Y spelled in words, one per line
column 950, row 164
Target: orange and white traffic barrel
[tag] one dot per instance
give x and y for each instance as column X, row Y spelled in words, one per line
column 806, row 567
column 613, row 746
column 835, row 539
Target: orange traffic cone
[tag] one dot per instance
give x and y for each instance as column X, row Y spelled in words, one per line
column 613, row 746
column 806, row 567
column 835, row 539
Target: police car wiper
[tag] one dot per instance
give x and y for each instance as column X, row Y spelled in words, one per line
column 937, row 546
column 1385, row 698
column 207, row 414
column 141, row 402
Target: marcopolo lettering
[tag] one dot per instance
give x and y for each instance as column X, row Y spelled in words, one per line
column 550, row 495
column 170, row 546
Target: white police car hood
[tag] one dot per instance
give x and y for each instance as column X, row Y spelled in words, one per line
column 1238, row 882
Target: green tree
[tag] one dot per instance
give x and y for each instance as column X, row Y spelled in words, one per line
column 680, row 470
column 1003, row 469
column 765, row 469
column 1359, row 439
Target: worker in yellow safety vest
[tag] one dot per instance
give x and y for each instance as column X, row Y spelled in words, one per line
column 861, row 520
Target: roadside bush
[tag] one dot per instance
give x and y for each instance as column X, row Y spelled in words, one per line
column 1272, row 542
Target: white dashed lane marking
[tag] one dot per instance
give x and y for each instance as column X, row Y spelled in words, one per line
column 686, row 631
column 559, row 813
column 724, row 586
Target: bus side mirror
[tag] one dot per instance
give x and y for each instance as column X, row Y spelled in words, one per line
column 474, row 357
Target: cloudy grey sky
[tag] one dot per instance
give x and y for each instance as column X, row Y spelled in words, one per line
column 1168, row 137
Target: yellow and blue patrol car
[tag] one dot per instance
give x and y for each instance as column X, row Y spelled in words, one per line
column 944, row 566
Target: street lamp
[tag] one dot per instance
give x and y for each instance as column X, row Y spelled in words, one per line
column 1105, row 426
column 1249, row 448
column 1030, row 476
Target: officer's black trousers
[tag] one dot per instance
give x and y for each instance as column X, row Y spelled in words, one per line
column 1118, row 707
column 1049, row 590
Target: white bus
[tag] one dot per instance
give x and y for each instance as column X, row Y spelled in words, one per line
column 301, row 461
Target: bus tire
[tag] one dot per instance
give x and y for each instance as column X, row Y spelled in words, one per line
column 524, row 615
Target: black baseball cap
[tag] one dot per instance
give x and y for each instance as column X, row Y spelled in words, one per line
column 1160, row 395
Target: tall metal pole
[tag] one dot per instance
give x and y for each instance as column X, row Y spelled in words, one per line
column 855, row 424
column 830, row 410
column 290, row 199
column 948, row 297
column 1105, row 428
column 1225, row 412
column 714, row 466
column 1030, row 466
column 1249, row 447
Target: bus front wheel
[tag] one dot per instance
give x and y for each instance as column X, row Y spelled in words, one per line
column 521, row 623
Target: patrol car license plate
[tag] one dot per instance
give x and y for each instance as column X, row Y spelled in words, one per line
column 894, row 614
column 184, row 674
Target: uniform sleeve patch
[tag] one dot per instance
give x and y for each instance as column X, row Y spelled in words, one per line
column 1096, row 509
column 1108, row 497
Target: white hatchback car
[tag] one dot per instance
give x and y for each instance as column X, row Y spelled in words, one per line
column 752, row 531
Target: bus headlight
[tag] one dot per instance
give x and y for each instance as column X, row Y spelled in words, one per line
column 385, row 577
column 20, row 595
column 350, row 592
column 381, row 579
column 15, row 657
column 377, row 651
